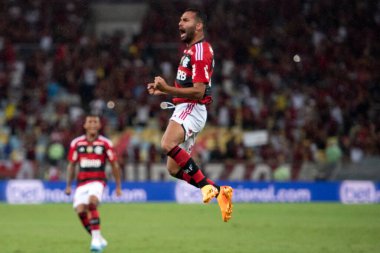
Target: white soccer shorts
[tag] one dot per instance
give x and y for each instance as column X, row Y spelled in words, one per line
column 192, row 117
column 83, row 193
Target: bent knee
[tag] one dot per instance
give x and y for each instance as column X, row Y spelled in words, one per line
column 166, row 146
column 93, row 200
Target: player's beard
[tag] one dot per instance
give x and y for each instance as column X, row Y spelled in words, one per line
column 190, row 33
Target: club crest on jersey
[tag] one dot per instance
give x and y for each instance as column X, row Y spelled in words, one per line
column 98, row 150
column 185, row 61
column 90, row 149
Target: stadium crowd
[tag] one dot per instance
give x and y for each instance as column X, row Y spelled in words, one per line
column 305, row 71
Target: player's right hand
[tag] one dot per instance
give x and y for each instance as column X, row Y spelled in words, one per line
column 68, row 190
column 160, row 84
column 151, row 87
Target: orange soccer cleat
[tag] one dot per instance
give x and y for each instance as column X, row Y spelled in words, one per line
column 209, row 192
column 225, row 202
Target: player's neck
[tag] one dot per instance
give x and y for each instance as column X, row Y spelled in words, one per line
column 91, row 137
column 196, row 40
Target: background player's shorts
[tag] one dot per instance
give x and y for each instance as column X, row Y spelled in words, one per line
column 83, row 193
column 192, row 117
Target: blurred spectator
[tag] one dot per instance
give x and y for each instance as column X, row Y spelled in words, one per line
column 283, row 171
column 333, row 152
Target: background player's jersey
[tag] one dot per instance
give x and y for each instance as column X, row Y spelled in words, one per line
column 91, row 158
column 196, row 66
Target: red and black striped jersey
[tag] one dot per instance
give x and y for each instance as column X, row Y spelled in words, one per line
column 196, row 66
column 91, row 158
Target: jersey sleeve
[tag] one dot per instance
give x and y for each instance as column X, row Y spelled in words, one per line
column 73, row 153
column 202, row 63
column 110, row 152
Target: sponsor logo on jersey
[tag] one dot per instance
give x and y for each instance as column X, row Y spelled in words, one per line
column 90, row 163
column 181, row 75
column 185, row 61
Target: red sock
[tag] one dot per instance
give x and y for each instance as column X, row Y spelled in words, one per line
column 179, row 155
column 189, row 167
column 85, row 222
column 183, row 176
column 95, row 220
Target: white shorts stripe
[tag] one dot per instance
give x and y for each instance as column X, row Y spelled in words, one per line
column 187, row 111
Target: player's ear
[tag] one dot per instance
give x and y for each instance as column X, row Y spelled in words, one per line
column 199, row 26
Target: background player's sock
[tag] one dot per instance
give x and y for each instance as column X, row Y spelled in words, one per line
column 95, row 220
column 85, row 221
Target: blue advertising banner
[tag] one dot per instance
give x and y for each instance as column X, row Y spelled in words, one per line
column 350, row 192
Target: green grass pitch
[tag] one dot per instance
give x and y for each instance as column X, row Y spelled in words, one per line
column 195, row 228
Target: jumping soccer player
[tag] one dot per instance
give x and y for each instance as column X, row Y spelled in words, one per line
column 90, row 151
column 191, row 92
